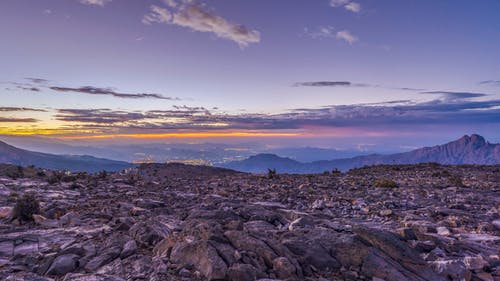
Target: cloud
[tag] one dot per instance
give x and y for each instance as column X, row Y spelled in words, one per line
column 351, row 84
column 329, row 32
column 320, row 32
column 95, row 2
column 17, row 120
column 455, row 95
column 490, row 82
column 323, row 84
column 106, row 116
column 195, row 17
column 332, row 84
column 346, row 36
column 349, row 5
column 403, row 113
column 338, row 3
column 14, row 109
column 37, row 80
column 353, row 7
column 109, row 91
column 32, row 89
column 170, row 3
column 157, row 15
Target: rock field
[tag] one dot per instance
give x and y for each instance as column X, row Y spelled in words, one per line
column 177, row 222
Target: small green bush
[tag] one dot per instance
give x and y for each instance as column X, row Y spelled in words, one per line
column 386, row 183
column 26, row 207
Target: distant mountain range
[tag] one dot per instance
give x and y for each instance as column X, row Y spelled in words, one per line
column 215, row 153
column 472, row 149
column 13, row 155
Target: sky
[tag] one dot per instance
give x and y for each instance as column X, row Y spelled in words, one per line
column 293, row 72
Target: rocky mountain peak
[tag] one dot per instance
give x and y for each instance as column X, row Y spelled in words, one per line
column 473, row 141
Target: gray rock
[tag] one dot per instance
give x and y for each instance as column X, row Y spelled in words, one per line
column 128, row 249
column 391, row 245
column 63, row 264
column 91, row 277
column 103, row 258
column 242, row 272
column 284, row 268
column 202, row 256
column 243, row 241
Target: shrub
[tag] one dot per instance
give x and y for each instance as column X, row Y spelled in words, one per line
column 336, row 171
column 15, row 172
column 456, row 181
column 102, row 174
column 386, row 183
column 271, row 173
column 54, row 178
column 26, row 207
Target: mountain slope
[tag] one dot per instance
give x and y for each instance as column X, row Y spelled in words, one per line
column 13, row 155
column 467, row 150
column 261, row 162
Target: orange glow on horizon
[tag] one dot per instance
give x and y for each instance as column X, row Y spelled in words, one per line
column 184, row 135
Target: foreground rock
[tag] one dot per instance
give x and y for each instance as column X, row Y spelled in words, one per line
column 158, row 222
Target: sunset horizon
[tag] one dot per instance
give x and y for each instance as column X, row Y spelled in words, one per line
column 321, row 72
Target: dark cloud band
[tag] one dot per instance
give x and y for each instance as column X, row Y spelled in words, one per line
column 110, row 92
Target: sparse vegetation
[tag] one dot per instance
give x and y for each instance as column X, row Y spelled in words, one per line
column 271, row 173
column 12, row 198
column 15, row 172
column 456, row 181
column 102, row 174
column 336, row 171
column 26, row 207
column 387, row 183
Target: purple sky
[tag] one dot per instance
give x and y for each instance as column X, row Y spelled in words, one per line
column 297, row 72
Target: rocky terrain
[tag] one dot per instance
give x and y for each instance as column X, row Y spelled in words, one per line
column 176, row 222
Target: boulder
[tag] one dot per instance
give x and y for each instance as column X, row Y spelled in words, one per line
column 202, row 256
column 391, row 245
column 128, row 249
column 242, row 272
column 63, row 264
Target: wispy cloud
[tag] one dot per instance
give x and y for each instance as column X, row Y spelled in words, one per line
column 186, row 13
column 95, row 2
column 37, row 80
column 106, row 116
column 110, row 92
column 31, row 89
column 320, row 32
column 490, row 82
column 157, row 15
column 386, row 114
column 329, row 32
column 352, row 84
column 353, row 7
column 455, row 95
column 17, row 120
column 323, row 84
column 18, row 109
column 346, row 36
column 349, row 5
